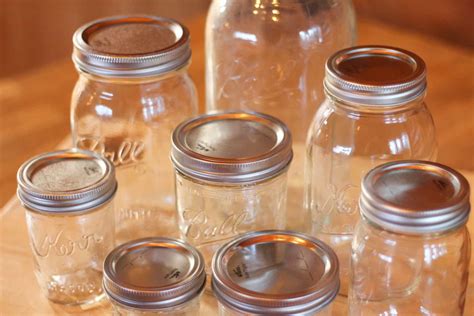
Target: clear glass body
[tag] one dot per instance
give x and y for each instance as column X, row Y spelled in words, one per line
column 209, row 214
column 395, row 274
column 225, row 310
column 130, row 121
column 69, row 250
column 344, row 142
column 269, row 56
column 189, row 308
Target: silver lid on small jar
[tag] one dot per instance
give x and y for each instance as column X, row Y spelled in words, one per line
column 375, row 75
column 415, row 197
column 275, row 273
column 154, row 273
column 62, row 181
column 232, row 147
column 131, row 46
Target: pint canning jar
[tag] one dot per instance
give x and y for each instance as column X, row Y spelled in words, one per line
column 68, row 196
column 268, row 56
column 411, row 249
column 374, row 112
column 230, row 176
column 154, row 276
column 133, row 90
column 275, row 273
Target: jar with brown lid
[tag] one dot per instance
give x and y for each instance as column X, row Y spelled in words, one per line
column 133, row 90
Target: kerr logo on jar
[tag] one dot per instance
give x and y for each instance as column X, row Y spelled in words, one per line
column 120, row 151
column 60, row 245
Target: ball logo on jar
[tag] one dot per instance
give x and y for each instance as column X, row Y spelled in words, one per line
column 119, row 151
column 60, row 245
column 199, row 226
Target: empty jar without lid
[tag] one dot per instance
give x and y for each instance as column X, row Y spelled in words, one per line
column 154, row 276
column 411, row 249
column 230, row 176
column 275, row 273
column 70, row 218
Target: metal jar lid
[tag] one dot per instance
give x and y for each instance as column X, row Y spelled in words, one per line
column 71, row 180
column 375, row 75
column 275, row 273
column 231, row 147
column 415, row 197
column 154, row 273
column 131, row 46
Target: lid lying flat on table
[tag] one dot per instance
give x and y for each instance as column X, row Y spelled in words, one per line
column 375, row 75
column 415, row 197
column 231, row 147
column 275, row 273
column 154, row 273
column 66, row 181
column 131, row 46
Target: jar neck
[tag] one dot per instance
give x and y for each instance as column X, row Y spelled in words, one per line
column 376, row 109
column 134, row 80
column 379, row 229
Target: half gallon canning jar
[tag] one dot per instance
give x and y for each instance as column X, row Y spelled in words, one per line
column 411, row 249
column 374, row 112
column 275, row 273
column 154, row 276
column 230, row 176
column 68, row 197
column 268, row 56
column 133, row 90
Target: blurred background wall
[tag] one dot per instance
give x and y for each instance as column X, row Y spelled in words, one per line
column 36, row 32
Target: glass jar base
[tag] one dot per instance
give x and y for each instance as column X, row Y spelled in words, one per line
column 98, row 301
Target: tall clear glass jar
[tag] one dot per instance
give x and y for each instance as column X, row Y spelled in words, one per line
column 68, row 199
column 231, row 176
column 154, row 276
column 268, row 56
column 374, row 112
column 133, row 90
column 411, row 249
column 275, row 272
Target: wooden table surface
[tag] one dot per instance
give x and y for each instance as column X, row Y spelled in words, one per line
column 35, row 118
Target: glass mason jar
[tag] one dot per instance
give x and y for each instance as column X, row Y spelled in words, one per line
column 132, row 91
column 374, row 112
column 411, row 249
column 275, row 273
column 154, row 276
column 268, row 56
column 230, row 176
column 68, row 196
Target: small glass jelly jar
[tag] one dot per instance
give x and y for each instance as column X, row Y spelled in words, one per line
column 154, row 276
column 275, row 273
column 411, row 249
column 231, row 176
column 68, row 198
column 133, row 90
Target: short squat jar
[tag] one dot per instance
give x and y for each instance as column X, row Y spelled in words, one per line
column 411, row 249
column 275, row 273
column 374, row 113
column 154, row 276
column 133, row 90
column 68, row 198
column 231, row 176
